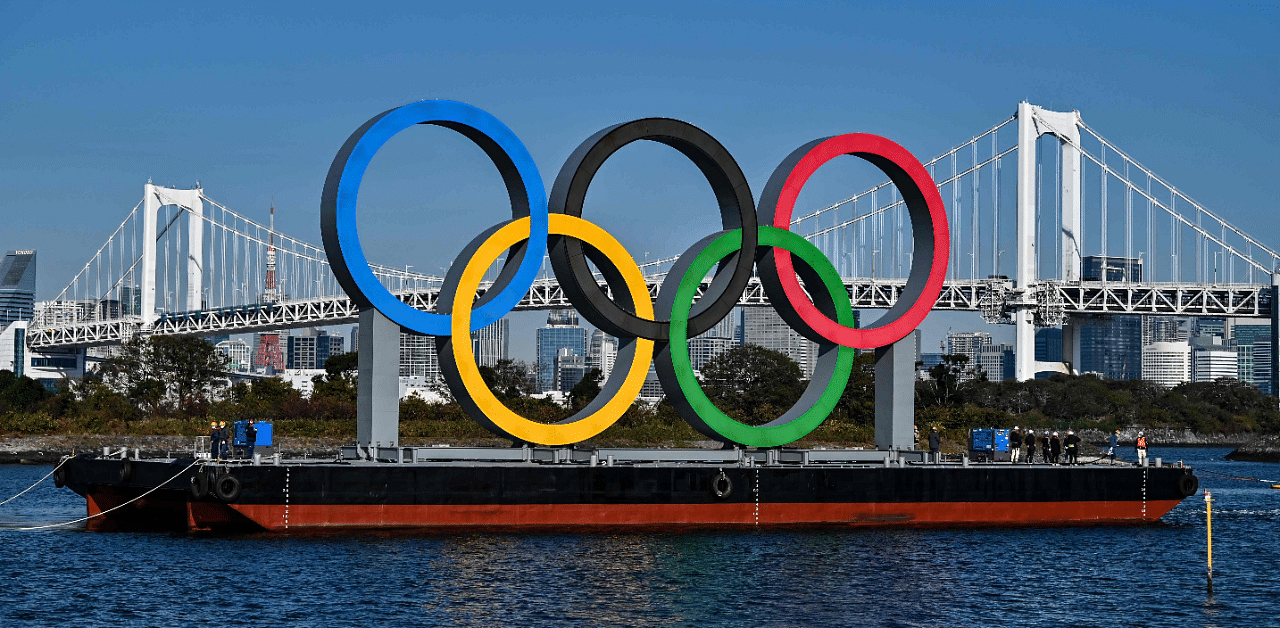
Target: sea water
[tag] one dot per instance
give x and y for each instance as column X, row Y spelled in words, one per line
column 1104, row 576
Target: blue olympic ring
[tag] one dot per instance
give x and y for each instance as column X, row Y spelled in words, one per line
column 338, row 211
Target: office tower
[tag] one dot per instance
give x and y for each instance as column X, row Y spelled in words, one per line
column 1167, row 363
column 17, row 286
column 1108, row 268
column 560, row 332
column 237, row 352
column 570, row 369
column 312, row 348
column 1111, row 346
column 492, row 343
column 1262, row 366
column 996, row 361
column 1164, row 329
column 1049, row 344
column 1246, row 334
column 602, row 352
column 1212, row 358
column 762, row 326
column 418, row 357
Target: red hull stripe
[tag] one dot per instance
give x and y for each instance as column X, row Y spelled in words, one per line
column 934, row 514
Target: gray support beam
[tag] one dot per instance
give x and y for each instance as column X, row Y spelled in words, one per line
column 378, row 401
column 896, row 395
column 1024, row 328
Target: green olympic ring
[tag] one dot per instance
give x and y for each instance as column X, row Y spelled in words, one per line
column 835, row 362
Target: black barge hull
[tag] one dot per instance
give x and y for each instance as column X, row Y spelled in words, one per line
column 526, row 495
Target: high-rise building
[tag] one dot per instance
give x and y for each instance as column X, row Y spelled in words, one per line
column 418, row 357
column 970, row 344
column 1167, row 363
column 763, row 326
column 312, row 348
column 1108, row 268
column 1207, row 326
column 714, row 341
column 492, row 343
column 1110, row 346
column 1164, row 329
column 570, row 369
column 561, row 332
column 1212, row 358
column 602, row 352
column 1262, row 358
column 17, row 286
column 355, row 337
column 49, row 367
column 1049, row 344
column 237, row 352
column 996, row 361
column 1246, row 334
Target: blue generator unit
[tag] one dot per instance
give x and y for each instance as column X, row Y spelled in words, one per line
column 987, row 444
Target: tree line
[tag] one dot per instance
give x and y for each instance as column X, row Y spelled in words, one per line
column 178, row 384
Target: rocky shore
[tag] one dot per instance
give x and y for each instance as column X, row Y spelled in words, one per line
column 1167, row 438
column 1263, row 449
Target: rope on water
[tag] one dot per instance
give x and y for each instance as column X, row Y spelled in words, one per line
column 157, row 487
column 46, row 476
column 1237, row 477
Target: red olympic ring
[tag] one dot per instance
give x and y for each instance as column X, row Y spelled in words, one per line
column 928, row 224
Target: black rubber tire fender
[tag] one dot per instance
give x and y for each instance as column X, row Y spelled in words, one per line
column 721, row 485
column 226, row 487
column 200, row 484
column 127, row 470
column 60, row 477
column 1188, row 484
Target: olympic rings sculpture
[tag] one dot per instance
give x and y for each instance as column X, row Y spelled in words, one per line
column 752, row 238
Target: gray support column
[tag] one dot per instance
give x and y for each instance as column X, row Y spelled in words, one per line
column 195, row 250
column 150, row 206
column 896, row 395
column 1024, row 328
column 378, row 400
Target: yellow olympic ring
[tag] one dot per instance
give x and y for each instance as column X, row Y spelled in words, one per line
column 593, row 419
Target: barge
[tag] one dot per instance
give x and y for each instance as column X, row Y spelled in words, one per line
column 527, row 488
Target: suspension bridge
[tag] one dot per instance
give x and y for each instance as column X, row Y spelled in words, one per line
column 1091, row 231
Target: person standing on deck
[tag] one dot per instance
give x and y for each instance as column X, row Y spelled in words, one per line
column 935, row 444
column 215, row 440
column 1055, row 447
column 250, row 437
column 1044, row 447
column 1115, row 442
column 224, row 438
column 1031, row 446
column 1073, row 447
column 1140, row 446
column 1015, row 445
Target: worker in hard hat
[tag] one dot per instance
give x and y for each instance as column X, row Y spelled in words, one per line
column 215, row 439
column 1073, row 447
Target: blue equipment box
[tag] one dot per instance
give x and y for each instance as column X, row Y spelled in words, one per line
column 264, row 434
column 989, row 444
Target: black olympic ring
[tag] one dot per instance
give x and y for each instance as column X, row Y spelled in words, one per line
column 737, row 211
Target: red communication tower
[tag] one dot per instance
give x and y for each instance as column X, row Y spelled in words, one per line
column 269, row 356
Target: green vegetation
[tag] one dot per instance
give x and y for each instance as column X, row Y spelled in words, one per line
column 171, row 386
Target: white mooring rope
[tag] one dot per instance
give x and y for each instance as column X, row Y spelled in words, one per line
column 55, row 469
column 67, row 523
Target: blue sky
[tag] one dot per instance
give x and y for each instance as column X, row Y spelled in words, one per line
column 254, row 100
